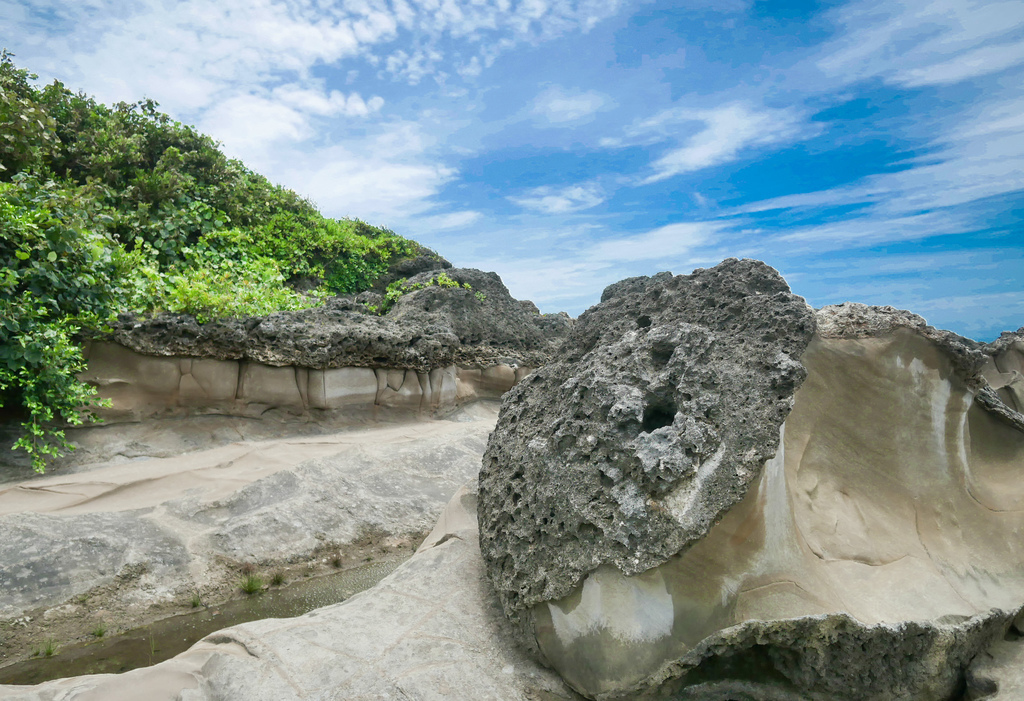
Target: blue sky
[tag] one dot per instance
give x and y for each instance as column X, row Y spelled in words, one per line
column 871, row 150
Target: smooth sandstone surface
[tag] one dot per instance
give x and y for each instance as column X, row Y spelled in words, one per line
column 178, row 519
column 144, row 387
column 895, row 499
column 433, row 629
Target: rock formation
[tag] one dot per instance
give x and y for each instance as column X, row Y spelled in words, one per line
column 671, row 514
column 430, row 630
column 461, row 329
column 436, row 348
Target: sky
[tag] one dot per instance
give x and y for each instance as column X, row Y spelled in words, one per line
column 870, row 150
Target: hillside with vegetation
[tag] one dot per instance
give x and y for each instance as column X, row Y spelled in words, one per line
column 113, row 209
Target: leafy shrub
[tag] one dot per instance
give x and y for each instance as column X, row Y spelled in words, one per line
column 108, row 209
column 212, row 284
column 56, row 278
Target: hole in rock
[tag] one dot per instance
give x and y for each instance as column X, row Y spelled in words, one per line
column 661, row 353
column 658, row 414
column 644, row 321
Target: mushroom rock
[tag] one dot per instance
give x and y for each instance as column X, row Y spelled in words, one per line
column 719, row 493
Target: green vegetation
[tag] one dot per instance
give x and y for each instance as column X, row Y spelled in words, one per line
column 122, row 209
column 47, row 649
column 400, row 287
column 251, row 584
column 277, row 579
column 100, row 630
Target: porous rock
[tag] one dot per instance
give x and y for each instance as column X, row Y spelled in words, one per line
column 665, row 403
column 459, row 329
column 873, row 557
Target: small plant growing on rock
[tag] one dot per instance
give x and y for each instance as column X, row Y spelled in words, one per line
column 248, row 568
column 251, row 584
column 100, row 630
column 277, row 579
column 47, row 649
column 197, row 600
column 336, row 562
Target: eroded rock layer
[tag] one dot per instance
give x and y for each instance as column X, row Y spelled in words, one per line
column 429, row 328
column 145, row 386
column 666, row 402
column 863, row 562
column 874, row 555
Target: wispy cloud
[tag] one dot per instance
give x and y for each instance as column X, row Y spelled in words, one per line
column 559, row 106
column 924, row 42
column 724, row 133
column 549, row 200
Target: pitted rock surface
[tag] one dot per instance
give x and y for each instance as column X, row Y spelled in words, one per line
column 460, row 329
column 496, row 322
column 665, row 403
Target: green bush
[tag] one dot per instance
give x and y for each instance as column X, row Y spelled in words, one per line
column 56, row 278
column 111, row 209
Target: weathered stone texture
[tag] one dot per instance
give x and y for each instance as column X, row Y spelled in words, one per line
column 427, row 329
column 666, row 402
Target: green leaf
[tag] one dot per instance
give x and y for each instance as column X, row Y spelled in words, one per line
column 51, row 256
column 22, row 255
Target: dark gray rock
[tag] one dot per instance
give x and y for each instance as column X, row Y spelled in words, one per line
column 429, row 328
column 827, row 658
column 422, row 261
column 665, row 402
column 483, row 316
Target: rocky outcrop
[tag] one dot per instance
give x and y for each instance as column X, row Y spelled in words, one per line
column 423, row 260
column 864, row 550
column 666, row 401
column 124, row 541
column 459, row 329
column 437, row 348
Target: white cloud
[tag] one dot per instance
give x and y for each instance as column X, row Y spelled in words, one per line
column 970, row 64
column 663, row 243
column 449, row 220
column 549, row 200
column 727, row 131
column 978, row 155
column 324, row 104
column 924, row 42
column 561, row 107
column 570, row 273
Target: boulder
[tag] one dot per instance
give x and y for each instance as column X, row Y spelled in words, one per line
column 667, row 399
column 745, row 535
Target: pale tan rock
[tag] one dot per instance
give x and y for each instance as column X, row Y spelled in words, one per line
column 443, row 387
column 264, row 384
column 348, row 386
column 468, row 379
column 208, row 381
column 407, row 395
column 432, row 630
column 497, row 379
column 894, row 497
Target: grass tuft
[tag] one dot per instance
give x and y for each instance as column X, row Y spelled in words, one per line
column 277, row 579
column 251, row 584
column 100, row 630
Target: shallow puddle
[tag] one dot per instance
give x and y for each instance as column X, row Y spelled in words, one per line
column 166, row 638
